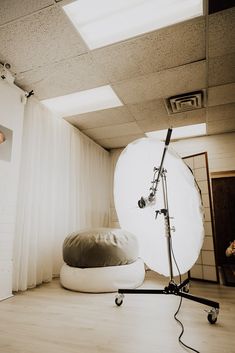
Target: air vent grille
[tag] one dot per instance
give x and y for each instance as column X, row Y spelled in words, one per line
column 185, row 102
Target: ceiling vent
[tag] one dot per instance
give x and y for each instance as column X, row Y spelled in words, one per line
column 185, row 102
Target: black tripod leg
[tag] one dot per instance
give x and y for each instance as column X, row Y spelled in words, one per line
column 141, row 291
column 199, row 300
column 183, row 284
column 121, row 292
column 163, row 291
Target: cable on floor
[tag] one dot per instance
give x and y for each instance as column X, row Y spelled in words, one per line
column 178, row 309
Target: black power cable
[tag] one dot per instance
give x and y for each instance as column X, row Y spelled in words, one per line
column 180, row 303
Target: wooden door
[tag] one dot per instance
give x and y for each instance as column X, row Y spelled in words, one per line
column 224, row 213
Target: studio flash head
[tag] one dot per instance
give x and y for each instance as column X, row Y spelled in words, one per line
column 146, row 201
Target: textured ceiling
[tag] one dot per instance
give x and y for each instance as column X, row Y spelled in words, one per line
column 47, row 55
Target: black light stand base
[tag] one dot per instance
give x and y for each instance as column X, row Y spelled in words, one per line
column 178, row 290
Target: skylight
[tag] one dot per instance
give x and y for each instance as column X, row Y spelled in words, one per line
column 84, row 101
column 109, row 21
column 180, row 132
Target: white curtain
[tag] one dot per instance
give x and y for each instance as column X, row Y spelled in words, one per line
column 64, row 187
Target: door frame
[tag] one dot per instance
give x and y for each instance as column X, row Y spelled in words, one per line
column 211, row 215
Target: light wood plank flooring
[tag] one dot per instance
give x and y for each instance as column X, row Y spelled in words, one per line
column 51, row 319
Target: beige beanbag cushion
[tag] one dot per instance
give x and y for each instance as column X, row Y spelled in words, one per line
column 103, row 279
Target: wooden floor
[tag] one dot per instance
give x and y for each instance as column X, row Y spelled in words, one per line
column 51, row 319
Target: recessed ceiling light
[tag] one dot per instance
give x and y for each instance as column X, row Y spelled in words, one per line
column 83, row 102
column 109, row 21
column 180, row 132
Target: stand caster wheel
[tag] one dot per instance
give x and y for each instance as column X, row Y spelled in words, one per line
column 212, row 315
column 119, row 299
column 186, row 288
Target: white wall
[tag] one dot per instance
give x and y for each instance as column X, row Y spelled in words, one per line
column 11, row 117
column 220, row 150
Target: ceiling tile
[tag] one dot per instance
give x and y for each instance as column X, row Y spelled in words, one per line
column 182, row 79
column 155, row 51
column 139, row 89
column 49, row 56
column 221, row 31
column 13, row 9
column 40, row 39
column 106, row 117
column 192, row 117
column 221, row 70
column 152, row 124
column 221, row 119
column 221, row 112
column 113, row 131
column 148, row 110
column 68, row 76
column 220, row 127
column 118, row 142
column 221, row 94
column 160, row 122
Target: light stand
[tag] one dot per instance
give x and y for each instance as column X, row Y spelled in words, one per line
column 172, row 288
